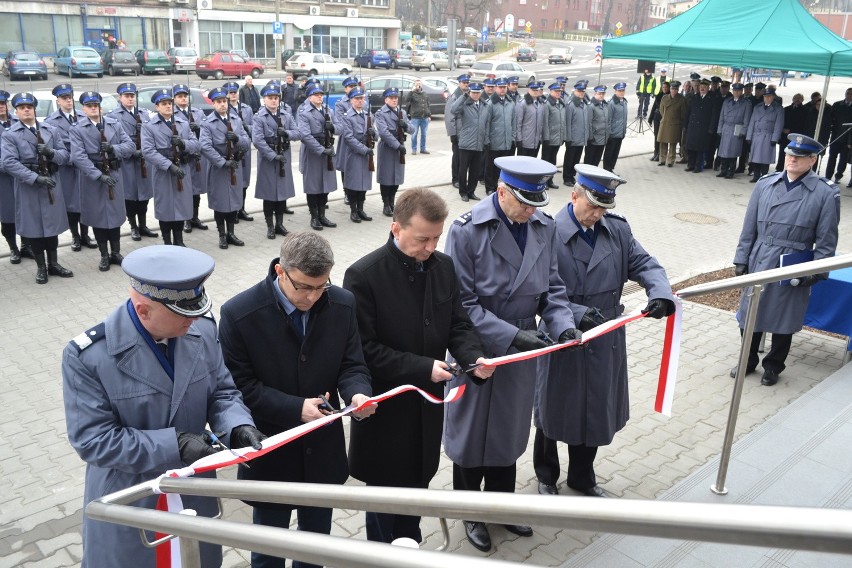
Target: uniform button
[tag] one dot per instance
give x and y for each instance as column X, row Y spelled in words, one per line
column 302, row 358
column 536, row 298
column 308, row 451
column 427, row 322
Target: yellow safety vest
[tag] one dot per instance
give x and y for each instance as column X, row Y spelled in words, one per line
column 647, row 88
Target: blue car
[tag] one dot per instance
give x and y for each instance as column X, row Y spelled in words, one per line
column 78, row 60
column 333, row 85
column 370, row 58
column 20, row 64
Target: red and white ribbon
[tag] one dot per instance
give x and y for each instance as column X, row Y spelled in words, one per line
column 669, row 361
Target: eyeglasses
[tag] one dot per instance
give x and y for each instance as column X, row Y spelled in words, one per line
column 305, row 287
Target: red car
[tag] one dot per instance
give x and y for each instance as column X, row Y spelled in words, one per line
column 221, row 65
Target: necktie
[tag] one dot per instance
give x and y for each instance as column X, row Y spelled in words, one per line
column 164, row 348
column 32, row 129
column 296, row 316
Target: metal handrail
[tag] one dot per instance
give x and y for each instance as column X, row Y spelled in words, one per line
column 756, row 282
column 799, row 528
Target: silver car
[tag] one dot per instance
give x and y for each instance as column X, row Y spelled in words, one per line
column 182, row 59
column 432, row 60
column 465, row 57
column 482, row 69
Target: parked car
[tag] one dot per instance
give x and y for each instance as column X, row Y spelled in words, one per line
column 448, row 84
column 153, row 61
column 526, row 54
column 24, row 64
column 287, row 54
column 241, row 52
column 375, row 86
column 223, row 64
column 481, row 69
column 119, row 62
column 370, row 58
column 484, row 46
column 78, row 60
column 471, row 31
column 400, row 58
column 465, row 57
column 559, row 55
column 439, row 45
column 432, row 60
column 316, row 64
column 47, row 103
column 198, row 96
column 463, row 44
column 182, row 59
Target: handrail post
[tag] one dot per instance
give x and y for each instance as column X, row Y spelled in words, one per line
column 190, row 553
column 748, row 330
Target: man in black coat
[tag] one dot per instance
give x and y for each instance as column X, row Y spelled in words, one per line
column 698, row 127
column 409, row 315
column 841, row 125
column 289, row 341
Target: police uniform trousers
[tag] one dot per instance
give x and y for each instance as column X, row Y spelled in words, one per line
column 454, row 164
column 571, row 159
column 492, row 172
column 310, row 519
column 470, row 168
column 611, row 152
column 500, row 479
column 549, row 152
column 774, row 360
column 594, row 153
column 387, row 527
column 581, row 462
column 532, row 152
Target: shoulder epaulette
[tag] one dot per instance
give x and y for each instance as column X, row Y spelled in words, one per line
column 546, row 214
column 463, row 218
column 89, row 337
column 616, row 216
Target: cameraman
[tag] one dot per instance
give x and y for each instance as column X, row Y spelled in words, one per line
column 417, row 107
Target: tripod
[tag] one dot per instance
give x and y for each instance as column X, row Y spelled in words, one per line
column 639, row 125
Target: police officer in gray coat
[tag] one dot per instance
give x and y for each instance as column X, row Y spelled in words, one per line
column 359, row 142
column 599, row 117
column 506, row 265
column 223, row 143
column 341, row 107
column 733, row 123
column 168, row 145
column 793, row 211
column 471, row 114
column 393, row 126
column 136, row 175
column 451, row 127
column 529, row 121
column 554, row 126
column 40, row 214
column 617, row 126
column 581, row 394
column 764, row 132
column 273, row 131
column 499, row 131
column 576, row 113
column 246, row 115
column 7, row 193
column 140, row 388
column 194, row 117
column 98, row 146
column 316, row 155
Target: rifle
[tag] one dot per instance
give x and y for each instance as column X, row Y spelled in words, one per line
column 329, row 137
column 400, row 132
column 281, row 145
column 176, row 153
column 371, row 166
column 138, row 139
column 229, row 149
column 43, row 167
column 191, row 124
column 104, row 153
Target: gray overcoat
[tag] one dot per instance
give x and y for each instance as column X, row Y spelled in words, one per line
column 764, row 132
column 222, row 196
column 96, row 208
column 577, row 117
column 123, row 412
column 357, row 175
column 169, row 203
column 449, row 117
column 733, row 113
column 246, row 116
column 35, row 216
column 528, row 122
column 502, row 290
column 136, row 188
column 7, row 192
column 199, row 182
column 341, row 107
column 388, row 169
column 554, row 122
column 598, row 113
column 581, row 394
column 778, row 222
column 270, row 184
column 316, row 177
column 66, row 177
column 470, row 123
column 617, row 117
column 500, row 124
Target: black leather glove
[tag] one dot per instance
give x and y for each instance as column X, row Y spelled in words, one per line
column 110, row 181
column 329, row 126
column 371, row 152
column 107, row 147
column 232, row 136
column 570, row 334
column 45, row 150
column 46, row 181
column 137, row 154
column 195, row 127
column 809, row 280
column 231, row 164
column 740, row 269
column 527, row 340
column 329, row 152
column 178, row 141
column 193, row 447
column 454, row 139
column 281, row 158
column 281, row 131
column 245, row 435
column 176, row 171
column 658, row 308
column 592, row 318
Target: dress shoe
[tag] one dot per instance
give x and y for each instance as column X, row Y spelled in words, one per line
column 520, row 530
column 103, row 265
column 197, row 224
column 729, row 175
column 56, row 269
column 75, row 244
column 670, row 165
column 689, row 169
column 362, row 215
column 837, row 177
column 465, row 198
column 280, row 230
column 387, row 212
column 477, row 535
column 116, row 258
column 88, row 242
column 243, row 216
column 325, row 222
column 146, row 232
column 135, row 236
column 15, row 256
column 353, row 216
column 287, row 210
column 697, row 171
column 473, row 196
column 721, row 174
column 425, row 152
column 749, row 370
column 661, row 164
column 596, row 491
column 233, row 240
column 456, row 184
column 769, row 378
column 570, row 182
column 547, row 489
column 187, row 226
column 223, row 241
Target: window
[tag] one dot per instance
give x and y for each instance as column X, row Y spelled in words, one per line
column 38, row 32
column 383, row 3
column 10, row 32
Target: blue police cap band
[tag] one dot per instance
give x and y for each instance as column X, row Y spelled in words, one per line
column 350, row 81
column 356, row 92
column 126, row 88
column 180, row 89
column 598, row 194
column 270, row 91
column 24, row 99
column 534, row 198
column 90, row 97
column 62, row 90
column 217, row 93
column 4, row 96
column 801, row 145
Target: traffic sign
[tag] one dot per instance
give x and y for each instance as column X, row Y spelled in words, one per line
column 598, row 49
column 609, row 35
column 278, row 37
column 597, row 58
column 618, row 32
column 498, row 34
column 277, row 28
column 618, row 25
column 529, row 26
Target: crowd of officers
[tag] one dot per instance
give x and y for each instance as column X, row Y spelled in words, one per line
column 74, row 171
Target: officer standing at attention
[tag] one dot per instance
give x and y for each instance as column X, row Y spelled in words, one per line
column 617, row 126
column 319, row 178
column 341, row 107
column 581, row 394
column 512, row 92
column 471, row 114
column 733, row 122
column 506, row 265
column 598, row 127
column 194, row 117
column 98, row 147
column 358, row 141
column 140, row 388
column 529, row 121
column 40, row 214
column 137, row 186
column 450, row 124
column 499, row 132
column 7, row 196
column 273, row 131
column 789, row 212
column 223, row 142
column 245, row 114
column 392, row 125
column 577, row 114
column 166, row 143
column 764, row 132
column 554, row 126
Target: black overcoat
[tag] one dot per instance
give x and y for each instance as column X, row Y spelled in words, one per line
column 699, row 120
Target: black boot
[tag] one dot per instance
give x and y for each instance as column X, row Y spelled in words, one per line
column 353, row 211
column 144, row 230
column 223, row 238
column 41, row 271
column 196, row 223
column 103, row 265
column 232, row 238
column 243, row 216
column 14, row 254
column 27, row 250
column 315, row 222
column 279, row 224
column 361, row 214
column 54, row 268
column 270, row 227
column 324, row 221
column 177, row 237
column 73, row 226
column 134, row 228
column 115, row 257
column 187, row 226
column 88, row 241
column 287, row 210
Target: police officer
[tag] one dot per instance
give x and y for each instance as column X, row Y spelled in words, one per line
column 764, row 132
column 7, row 194
column 341, row 107
column 512, row 92
column 789, row 212
column 529, row 121
column 450, row 125
column 141, row 387
column 273, row 131
column 392, row 125
column 316, row 164
column 599, row 119
column 503, row 251
column 733, row 122
column 98, row 146
column 577, row 114
column 168, row 144
column 245, row 114
column 31, row 154
column 471, row 114
column 554, row 126
column 194, row 117
column 136, row 175
column 581, row 394
column 223, row 142
column 499, row 131
column 617, row 126
column 359, row 142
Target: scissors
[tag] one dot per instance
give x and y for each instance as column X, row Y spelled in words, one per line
column 456, row 370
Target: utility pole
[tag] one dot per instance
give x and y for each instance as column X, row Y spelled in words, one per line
column 279, row 65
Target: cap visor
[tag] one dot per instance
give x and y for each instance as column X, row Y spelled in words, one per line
column 532, row 198
column 193, row 308
column 599, row 200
